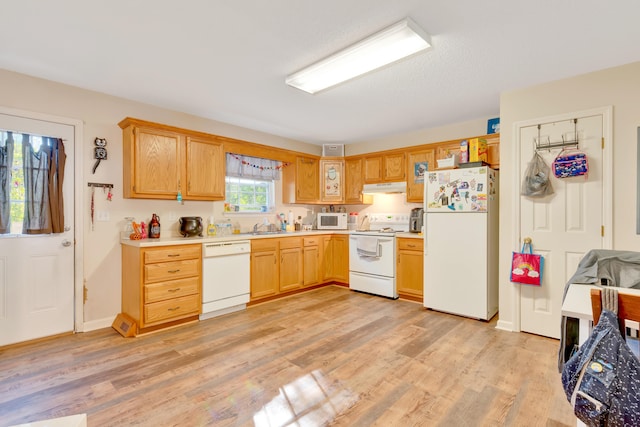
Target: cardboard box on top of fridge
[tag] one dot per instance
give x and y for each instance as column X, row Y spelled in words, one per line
column 478, row 150
column 464, row 151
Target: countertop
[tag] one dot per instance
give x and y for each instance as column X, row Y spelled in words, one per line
column 178, row 240
column 577, row 303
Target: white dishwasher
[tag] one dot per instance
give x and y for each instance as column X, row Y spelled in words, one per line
column 225, row 277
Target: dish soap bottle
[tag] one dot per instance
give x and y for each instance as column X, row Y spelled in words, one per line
column 211, row 228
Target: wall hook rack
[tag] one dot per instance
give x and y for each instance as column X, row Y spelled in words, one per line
column 99, row 184
column 548, row 145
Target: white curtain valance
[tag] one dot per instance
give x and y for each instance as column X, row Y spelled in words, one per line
column 252, row 167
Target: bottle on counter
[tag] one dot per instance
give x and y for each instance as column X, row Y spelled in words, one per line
column 211, row 227
column 154, row 227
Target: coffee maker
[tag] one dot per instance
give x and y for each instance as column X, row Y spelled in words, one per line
column 415, row 220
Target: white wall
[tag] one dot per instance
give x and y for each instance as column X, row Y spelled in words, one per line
column 101, row 114
column 618, row 87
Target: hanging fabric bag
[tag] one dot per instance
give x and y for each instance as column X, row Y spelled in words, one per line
column 602, row 379
column 536, row 181
column 570, row 163
column 526, row 267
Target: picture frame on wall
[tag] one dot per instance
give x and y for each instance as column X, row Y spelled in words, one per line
column 332, row 181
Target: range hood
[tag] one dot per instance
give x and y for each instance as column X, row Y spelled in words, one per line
column 385, row 188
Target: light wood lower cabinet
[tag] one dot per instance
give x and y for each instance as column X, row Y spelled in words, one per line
column 312, row 261
column 410, row 267
column 336, row 258
column 291, row 264
column 161, row 286
column 276, row 266
column 265, row 268
column 280, row 265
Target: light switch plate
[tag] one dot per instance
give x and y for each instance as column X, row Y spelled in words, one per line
column 102, row 216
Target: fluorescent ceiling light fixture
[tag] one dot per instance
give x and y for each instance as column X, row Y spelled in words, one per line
column 385, row 47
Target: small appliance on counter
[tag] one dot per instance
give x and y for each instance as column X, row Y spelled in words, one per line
column 332, row 221
column 415, row 220
column 190, row 226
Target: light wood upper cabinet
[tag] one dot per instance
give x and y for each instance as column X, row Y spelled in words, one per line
column 205, row 170
column 372, row 172
column 446, row 149
column 384, row 168
column 353, row 181
column 416, row 173
column 301, row 182
column 493, row 151
column 160, row 161
column 394, row 167
column 152, row 160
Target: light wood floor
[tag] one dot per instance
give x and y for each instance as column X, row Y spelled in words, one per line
column 326, row 357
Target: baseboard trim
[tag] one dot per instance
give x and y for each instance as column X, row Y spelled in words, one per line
column 93, row 325
column 505, row 326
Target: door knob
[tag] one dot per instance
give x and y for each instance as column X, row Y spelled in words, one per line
column 66, row 243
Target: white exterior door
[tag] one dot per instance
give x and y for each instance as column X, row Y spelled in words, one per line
column 37, row 271
column 563, row 226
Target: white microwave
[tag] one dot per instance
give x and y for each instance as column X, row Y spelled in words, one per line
column 332, row 221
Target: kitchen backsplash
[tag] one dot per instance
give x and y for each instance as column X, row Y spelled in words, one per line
column 170, row 212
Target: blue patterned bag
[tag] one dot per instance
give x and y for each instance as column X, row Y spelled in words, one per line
column 569, row 163
column 602, row 380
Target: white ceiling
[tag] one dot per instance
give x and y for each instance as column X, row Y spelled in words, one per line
column 227, row 60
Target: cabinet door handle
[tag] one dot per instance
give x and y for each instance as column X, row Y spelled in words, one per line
column 411, row 246
column 174, row 308
column 173, row 271
column 173, row 290
column 173, row 255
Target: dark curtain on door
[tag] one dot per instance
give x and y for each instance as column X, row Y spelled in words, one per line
column 43, row 179
column 6, row 162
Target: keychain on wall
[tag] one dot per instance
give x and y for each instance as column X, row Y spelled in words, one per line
column 99, row 152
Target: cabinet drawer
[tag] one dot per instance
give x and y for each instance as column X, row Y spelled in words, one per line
column 311, row 241
column 174, row 289
column 411, row 244
column 172, row 309
column 165, row 271
column 268, row 244
column 173, row 253
column 290, row 242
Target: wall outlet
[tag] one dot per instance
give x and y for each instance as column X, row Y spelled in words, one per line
column 102, row 216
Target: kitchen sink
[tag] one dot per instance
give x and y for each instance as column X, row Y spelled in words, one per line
column 262, row 233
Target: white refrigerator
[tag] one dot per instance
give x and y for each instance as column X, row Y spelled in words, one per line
column 461, row 241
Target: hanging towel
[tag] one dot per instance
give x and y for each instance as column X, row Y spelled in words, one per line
column 368, row 246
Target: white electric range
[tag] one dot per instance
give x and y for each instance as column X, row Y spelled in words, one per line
column 372, row 255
